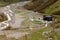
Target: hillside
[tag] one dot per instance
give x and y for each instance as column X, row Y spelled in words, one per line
column 39, row 5
column 29, row 24
column 7, row 2
column 46, row 7
column 50, row 7
column 53, row 9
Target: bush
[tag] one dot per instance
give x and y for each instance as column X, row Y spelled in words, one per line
column 3, row 17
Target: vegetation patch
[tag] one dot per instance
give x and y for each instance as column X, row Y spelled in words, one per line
column 37, row 21
column 3, row 17
column 53, row 9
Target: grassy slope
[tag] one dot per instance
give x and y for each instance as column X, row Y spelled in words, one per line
column 53, row 8
column 3, row 4
column 37, row 35
column 7, row 2
column 39, row 5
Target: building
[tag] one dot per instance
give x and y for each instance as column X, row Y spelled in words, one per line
column 47, row 18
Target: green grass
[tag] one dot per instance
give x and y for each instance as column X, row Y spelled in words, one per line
column 53, row 8
column 37, row 35
column 3, row 4
column 37, row 21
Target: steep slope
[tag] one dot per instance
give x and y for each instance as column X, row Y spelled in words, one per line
column 53, row 9
column 39, row 5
